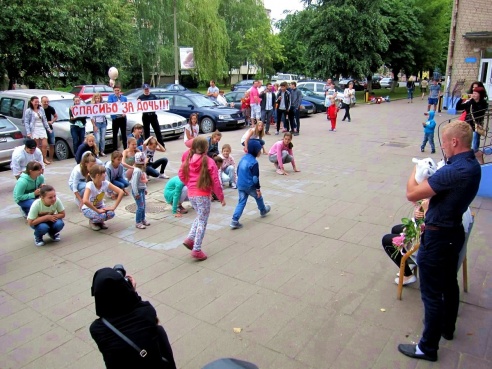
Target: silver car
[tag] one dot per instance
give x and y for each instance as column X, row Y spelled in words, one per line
column 13, row 103
column 10, row 138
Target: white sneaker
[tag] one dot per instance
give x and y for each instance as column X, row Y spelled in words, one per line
column 233, row 185
column 163, row 176
column 409, row 280
column 411, row 266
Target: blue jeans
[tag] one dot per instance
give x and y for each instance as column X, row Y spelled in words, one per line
column 243, row 199
column 266, row 116
column 428, row 137
column 438, row 262
column 78, row 136
column 410, row 93
column 51, row 228
column 475, row 142
column 26, row 205
column 120, row 182
column 297, row 116
column 140, row 213
column 229, row 175
column 100, row 135
column 81, row 188
column 51, row 137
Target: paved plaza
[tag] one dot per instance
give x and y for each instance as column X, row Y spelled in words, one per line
column 309, row 286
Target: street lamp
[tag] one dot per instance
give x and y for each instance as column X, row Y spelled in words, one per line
column 176, row 64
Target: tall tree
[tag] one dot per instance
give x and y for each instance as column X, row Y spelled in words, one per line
column 403, row 31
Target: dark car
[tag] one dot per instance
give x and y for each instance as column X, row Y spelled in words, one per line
column 173, row 87
column 316, row 100
column 243, row 85
column 235, row 97
column 345, row 82
column 375, row 84
column 306, row 108
column 210, row 115
column 87, row 91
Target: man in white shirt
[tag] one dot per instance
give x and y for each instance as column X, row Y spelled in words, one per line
column 267, row 104
column 23, row 155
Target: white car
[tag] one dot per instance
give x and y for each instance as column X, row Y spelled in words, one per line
column 172, row 125
column 13, row 103
column 386, row 82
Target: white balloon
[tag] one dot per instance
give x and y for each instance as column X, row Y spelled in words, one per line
column 111, row 82
column 113, row 73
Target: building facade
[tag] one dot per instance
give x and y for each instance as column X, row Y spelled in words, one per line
column 470, row 47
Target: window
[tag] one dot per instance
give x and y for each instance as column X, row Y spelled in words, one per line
column 181, row 101
column 100, row 89
column 17, row 108
column 309, row 86
column 5, row 106
column 88, row 90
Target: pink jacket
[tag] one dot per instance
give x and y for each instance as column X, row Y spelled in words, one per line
column 277, row 149
column 194, row 175
column 254, row 96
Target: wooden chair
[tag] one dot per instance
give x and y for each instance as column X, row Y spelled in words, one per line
column 462, row 256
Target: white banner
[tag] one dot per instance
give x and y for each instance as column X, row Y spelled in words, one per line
column 118, row 108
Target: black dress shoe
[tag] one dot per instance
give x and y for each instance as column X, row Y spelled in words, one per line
column 410, row 351
column 447, row 336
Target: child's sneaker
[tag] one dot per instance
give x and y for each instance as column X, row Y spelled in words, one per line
column 55, row 238
column 24, row 215
column 433, row 151
column 235, row 224
column 38, row 241
column 103, row 225
column 267, row 210
column 334, row 129
column 276, row 133
column 94, row 226
column 199, row 255
column 140, row 226
column 145, row 223
column 279, row 171
column 188, row 243
column 421, row 149
column 233, row 185
column 182, row 210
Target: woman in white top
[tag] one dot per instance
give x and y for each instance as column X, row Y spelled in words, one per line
column 191, row 130
column 36, row 125
column 348, row 95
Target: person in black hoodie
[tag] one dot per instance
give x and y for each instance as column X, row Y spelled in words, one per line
column 118, row 302
column 475, row 109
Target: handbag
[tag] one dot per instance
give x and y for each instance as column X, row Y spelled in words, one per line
column 141, row 352
column 478, row 127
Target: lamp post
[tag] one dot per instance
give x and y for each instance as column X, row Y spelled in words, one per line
column 176, row 64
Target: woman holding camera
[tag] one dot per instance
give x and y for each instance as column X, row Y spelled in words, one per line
column 127, row 332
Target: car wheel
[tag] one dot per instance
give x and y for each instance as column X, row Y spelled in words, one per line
column 62, row 149
column 207, row 125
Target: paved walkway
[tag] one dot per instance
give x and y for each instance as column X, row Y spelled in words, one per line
column 307, row 285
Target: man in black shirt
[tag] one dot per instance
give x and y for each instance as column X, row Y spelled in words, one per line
column 52, row 117
column 150, row 118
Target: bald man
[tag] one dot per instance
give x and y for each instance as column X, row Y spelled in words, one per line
column 451, row 190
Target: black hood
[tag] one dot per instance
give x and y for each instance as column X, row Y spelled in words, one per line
column 113, row 294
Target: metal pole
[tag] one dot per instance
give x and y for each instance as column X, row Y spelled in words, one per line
column 176, row 64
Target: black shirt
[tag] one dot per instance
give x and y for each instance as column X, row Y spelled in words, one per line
column 148, row 97
column 50, row 113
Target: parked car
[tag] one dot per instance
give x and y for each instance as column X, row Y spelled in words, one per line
column 243, row 85
column 343, row 84
column 317, row 101
column 375, row 83
column 171, row 125
column 173, row 87
column 284, row 77
column 235, row 98
column 315, row 87
column 306, row 108
column 386, row 82
column 87, row 91
column 210, row 115
column 13, row 103
column 10, row 138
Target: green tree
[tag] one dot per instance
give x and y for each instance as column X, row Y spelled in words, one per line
column 432, row 46
column 403, row 31
column 341, row 36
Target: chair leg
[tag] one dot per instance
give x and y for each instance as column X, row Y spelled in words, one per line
column 465, row 275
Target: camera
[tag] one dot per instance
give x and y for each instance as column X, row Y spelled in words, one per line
column 121, row 270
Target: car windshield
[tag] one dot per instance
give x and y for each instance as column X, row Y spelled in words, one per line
column 201, row 101
column 62, row 106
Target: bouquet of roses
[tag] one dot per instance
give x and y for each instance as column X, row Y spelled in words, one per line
column 409, row 237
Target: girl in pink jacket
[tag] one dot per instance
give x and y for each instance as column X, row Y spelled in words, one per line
column 199, row 173
column 281, row 153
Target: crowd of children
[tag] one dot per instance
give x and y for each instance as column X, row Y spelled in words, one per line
column 203, row 173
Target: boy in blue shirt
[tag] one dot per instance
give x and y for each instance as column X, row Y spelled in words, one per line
column 429, row 127
column 248, row 183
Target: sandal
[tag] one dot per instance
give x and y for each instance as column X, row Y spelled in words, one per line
column 140, row 226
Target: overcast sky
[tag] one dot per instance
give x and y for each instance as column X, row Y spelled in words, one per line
column 278, row 6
